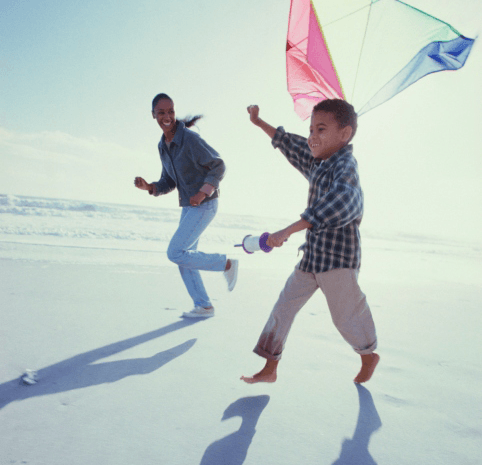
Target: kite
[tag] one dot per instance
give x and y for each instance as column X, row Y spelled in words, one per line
column 364, row 51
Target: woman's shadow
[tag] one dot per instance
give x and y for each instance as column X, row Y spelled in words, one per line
column 80, row 371
column 232, row 449
column 354, row 451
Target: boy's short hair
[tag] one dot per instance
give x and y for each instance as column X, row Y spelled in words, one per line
column 343, row 112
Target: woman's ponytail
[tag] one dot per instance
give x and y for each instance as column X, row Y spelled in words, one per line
column 191, row 121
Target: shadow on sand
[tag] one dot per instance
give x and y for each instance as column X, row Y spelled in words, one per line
column 79, row 371
column 354, row 451
column 232, row 449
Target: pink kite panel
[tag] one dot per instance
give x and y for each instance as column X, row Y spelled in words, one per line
column 310, row 72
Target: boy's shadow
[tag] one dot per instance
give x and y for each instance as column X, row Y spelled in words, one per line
column 80, row 371
column 232, row 449
column 354, row 451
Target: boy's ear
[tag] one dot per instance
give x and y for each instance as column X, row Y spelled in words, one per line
column 153, row 115
column 347, row 131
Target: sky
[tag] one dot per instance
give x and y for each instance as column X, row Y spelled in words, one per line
column 77, row 80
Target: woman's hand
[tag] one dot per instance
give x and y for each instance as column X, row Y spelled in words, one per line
column 253, row 111
column 140, row 183
column 196, row 200
column 277, row 239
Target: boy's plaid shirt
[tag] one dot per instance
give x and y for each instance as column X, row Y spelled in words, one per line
column 335, row 204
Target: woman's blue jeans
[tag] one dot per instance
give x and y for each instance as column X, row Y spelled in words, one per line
column 183, row 251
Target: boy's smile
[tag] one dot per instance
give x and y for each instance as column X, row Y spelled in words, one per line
column 326, row 135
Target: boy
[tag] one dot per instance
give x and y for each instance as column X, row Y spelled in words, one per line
column 331, row 258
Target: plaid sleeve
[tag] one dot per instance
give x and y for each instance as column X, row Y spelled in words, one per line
column 295, row 149
column 342, row 204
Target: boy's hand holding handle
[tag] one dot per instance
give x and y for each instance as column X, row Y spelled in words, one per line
column 278, row 238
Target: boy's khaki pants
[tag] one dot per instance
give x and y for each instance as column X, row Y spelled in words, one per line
column 347, row 303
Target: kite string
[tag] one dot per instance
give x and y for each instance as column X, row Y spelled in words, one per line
column 346, row 16
column 361, row 53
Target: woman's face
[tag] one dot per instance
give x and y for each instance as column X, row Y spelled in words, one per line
column 164, row 114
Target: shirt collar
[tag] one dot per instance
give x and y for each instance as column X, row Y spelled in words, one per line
column 347, row 150
column 178, row 136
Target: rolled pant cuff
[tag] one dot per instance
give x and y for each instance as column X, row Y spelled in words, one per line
column 262, row 353
column 368, row 350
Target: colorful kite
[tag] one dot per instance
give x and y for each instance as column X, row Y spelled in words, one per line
column 364, row 51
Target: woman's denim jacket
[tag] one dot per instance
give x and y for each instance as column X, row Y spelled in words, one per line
column 188, row 164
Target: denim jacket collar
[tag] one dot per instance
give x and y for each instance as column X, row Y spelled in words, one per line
column 177, row 137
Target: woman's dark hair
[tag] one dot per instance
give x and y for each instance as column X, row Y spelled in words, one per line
column 343, row 112
column 188, row 120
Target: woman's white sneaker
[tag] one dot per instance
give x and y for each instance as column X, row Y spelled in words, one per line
column 231, row 275
column 199, row 312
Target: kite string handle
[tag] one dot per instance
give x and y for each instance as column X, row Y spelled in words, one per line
column 252, row 244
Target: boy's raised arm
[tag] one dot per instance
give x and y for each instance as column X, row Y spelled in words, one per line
column 293, row 147
column 253, row 111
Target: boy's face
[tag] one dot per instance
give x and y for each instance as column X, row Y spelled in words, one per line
column 164, row 114
column 326, row 136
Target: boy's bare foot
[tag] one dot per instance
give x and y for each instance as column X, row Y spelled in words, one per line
column 266, row 375
column 369, row 363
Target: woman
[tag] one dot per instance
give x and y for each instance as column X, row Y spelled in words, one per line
column 195, row 169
